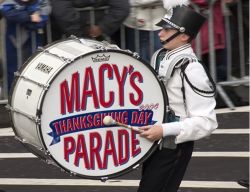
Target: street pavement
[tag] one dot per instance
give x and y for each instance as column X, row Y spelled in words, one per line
column 217, row 163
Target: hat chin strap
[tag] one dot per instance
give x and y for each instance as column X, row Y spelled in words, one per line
column 170, row 38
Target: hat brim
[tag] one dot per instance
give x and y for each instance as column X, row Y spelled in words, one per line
column 164, row 25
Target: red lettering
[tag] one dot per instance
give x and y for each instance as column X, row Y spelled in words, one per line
column 72, row 97
column 94, row 149
column 90, row 120
column 134, row 143
column 109, row 149
column 76, row 123
column 97, row 121
column 123, row 146
column 134, row 117
column 121, row 82
column 89, row 89
column 109, row 102
column 58, row 130
column 63, row 125
column 81, row 152
column 136, row 101
column 70, row 125
column 90, row 155
column 69, row 147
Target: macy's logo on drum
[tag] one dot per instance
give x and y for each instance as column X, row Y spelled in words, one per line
column 103, row 94
column 77, row 135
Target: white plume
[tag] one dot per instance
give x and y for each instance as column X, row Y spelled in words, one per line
column 168, row 4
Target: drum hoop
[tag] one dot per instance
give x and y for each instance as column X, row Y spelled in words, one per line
column 39, row 110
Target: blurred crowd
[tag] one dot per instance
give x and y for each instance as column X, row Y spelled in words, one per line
column 25, row 21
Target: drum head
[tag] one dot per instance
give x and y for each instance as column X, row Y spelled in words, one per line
column 93, row 86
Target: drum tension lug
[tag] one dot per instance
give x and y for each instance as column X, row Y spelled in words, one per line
column 37, row 120
column 72, row 173
column 49, row 162
column 62, row 170
column 47, row 153
column 66, row 60
column 8, row 107
column 136, row 55
column 163, row 79
column 75, row 38
column 17, row 74
column 39, row 48
column 135, row 167
column 20, row 139
column 38, row 112
column 104, row 179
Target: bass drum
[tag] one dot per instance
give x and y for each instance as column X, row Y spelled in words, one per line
column 61, row 95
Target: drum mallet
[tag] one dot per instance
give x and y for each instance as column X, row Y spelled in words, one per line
column 108, row 120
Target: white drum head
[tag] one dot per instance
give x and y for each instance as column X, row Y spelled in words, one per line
column 93, row 86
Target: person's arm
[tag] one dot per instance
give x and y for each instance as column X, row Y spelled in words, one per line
column 67, row 18
column 118, row 11
column 40, row 11
column 9, row 11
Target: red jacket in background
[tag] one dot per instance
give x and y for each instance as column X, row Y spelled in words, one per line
column 219, row 29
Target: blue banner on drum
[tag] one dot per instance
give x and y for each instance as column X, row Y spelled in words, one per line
column 88, row 121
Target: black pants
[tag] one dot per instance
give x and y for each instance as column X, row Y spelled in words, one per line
column 164, row 170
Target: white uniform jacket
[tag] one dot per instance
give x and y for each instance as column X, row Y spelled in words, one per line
column 197, row 116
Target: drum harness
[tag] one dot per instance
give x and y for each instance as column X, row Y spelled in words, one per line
column 180, row 62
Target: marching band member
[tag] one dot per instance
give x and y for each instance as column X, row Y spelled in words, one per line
column 190, row 91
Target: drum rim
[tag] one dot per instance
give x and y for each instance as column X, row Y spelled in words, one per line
column 40, row 104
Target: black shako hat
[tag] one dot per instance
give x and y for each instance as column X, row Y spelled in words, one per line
column 183, row 19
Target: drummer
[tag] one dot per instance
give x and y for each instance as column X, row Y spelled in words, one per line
column 190, row 91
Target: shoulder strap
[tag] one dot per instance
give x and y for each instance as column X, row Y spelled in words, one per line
column 156, row 58
column 179, row 61
column 182, row 62
column 196, row 89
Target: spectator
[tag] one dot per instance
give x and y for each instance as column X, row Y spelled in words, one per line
column 26, row 16
column 143, row 15
column 232, row 6
column 219, row 38
column 74, row 22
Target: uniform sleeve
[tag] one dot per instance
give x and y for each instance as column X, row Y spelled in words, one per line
column 201, row 118
column 10, row 12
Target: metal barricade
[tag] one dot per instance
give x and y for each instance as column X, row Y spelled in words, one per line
column 3, row 85
column 230, row 81
column 212, row 57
